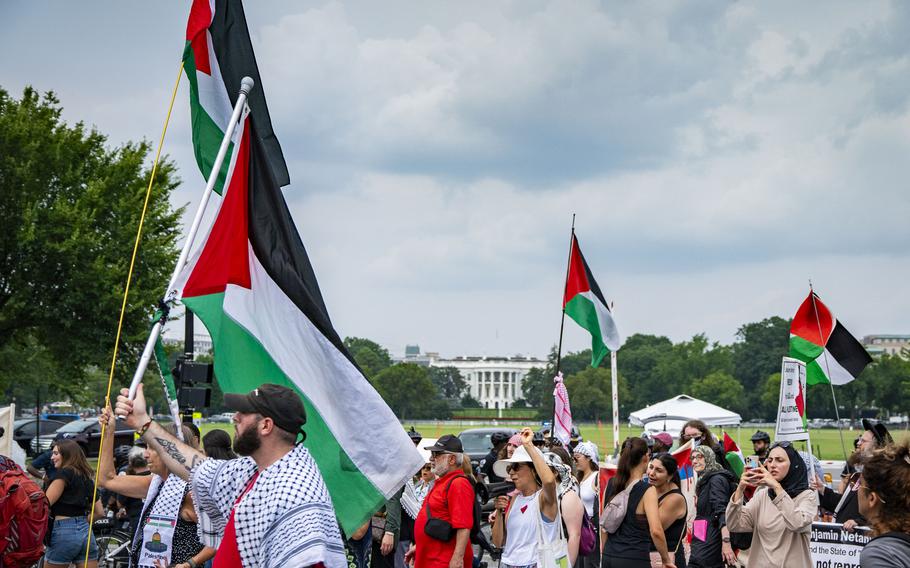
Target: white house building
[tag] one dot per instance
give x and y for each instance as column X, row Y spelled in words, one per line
column 494, row 381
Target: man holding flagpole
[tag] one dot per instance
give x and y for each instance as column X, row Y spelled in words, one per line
column 270, row 508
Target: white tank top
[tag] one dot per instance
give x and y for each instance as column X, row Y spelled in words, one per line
column 521, row 530
column 588, row 494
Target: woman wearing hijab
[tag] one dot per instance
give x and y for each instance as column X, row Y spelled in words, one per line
column 710, row 546
column 781, row 512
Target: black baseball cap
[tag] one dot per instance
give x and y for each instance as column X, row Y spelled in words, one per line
column 449, row 444
column 882, row 436
column 277, row 402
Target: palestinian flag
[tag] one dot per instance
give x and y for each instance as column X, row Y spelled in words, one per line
column 585, row 303
column 734, row 456
column 217, row 55
column 251, row 283
column 831, row 354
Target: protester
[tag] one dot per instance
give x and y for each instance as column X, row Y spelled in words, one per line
column 217, row 445
column 570, row 506
column 587, row 463
column 69, row 494
column 532, row 511
column 850, row 466
column 845, row 506
column 448, row 506
column 511, row 446
column 710, row 547
column 132, row 506
column 415, row 491
column 781, row 512
column 629, row 545
column 167, row 501
column 761, row 444
column 269, row 508
column 499, row 440
column 663, row 441
column 884, row 500
column 42, row 467
column 385, row 538
column 697, row 431
column 663, row 475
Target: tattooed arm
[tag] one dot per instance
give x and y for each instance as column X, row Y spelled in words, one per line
column 179, row 458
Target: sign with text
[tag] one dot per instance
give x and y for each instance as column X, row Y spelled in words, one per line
column 833, row 547
column 791, row 412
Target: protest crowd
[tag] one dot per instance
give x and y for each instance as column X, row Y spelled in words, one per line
column 260, row 500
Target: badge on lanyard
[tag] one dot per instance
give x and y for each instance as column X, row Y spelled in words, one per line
column 157, row 540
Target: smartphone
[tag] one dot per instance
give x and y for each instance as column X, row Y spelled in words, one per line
column 752, row 462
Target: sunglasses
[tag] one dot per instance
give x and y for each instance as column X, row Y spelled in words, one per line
column 783, row 444
column 514, row 467
column 426, row 468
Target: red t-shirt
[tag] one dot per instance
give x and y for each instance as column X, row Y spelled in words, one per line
column 457, row 507
column 228, row 555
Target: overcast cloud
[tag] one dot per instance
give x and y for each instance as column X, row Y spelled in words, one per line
column 718, row 154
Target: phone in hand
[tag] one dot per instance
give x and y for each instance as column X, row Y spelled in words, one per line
column 752, row 462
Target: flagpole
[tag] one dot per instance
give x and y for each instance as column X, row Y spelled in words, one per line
column 615, row 384
column 246, row 85
column 562, row 325
column 840, row 427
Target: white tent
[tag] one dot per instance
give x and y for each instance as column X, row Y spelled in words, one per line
column 670, row 415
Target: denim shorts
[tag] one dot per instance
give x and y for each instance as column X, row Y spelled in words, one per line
column 68, row 542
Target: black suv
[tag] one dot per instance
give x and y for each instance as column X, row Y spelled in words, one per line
column 476, row 442
column 86, row 433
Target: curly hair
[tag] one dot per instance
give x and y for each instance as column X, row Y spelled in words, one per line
column 886, row 472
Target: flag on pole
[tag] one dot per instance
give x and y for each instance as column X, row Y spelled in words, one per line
column 217, row 55
column 585, row 303
column 562, row 419
column 831, row 353
column 734, row 455
column 251, row 283
column 167, row 381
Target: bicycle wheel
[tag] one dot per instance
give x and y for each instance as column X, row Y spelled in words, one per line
column 113, row 549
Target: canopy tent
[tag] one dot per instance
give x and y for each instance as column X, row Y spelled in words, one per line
column 670, row 415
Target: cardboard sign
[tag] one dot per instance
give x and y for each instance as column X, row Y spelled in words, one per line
column 791, row 412
column 833, row 547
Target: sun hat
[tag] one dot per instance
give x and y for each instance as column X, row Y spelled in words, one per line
column 521, row 455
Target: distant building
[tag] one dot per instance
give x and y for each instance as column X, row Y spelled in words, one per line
column 494, row 381
column 878, row 345
column 202, row 344
column 413, row 356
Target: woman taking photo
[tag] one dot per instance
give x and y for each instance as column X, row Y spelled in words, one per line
column 70, row 497
column 710, row 547
column 586, row 461
column 629, row 545
column 781, row 512
column 519, row 518
column 167, row 502
column 885, row 502
column 663, row 475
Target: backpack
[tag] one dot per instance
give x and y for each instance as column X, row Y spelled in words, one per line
column 24, row 512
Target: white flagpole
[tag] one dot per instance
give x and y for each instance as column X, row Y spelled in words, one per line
column 246, row 85
column 614, row 382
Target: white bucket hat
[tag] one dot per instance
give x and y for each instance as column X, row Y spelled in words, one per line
column 520, row 455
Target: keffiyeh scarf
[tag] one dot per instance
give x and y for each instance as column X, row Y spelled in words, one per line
column 286, row 519
column 413, row 496
column 165, row 497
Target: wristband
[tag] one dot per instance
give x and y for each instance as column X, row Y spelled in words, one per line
column 142, row 432
column 727, row 539
column 192, row 563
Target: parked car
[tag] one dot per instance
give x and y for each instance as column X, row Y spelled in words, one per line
column 87, row 433
column 25, row 429
column 224, row 417
column 476, row 442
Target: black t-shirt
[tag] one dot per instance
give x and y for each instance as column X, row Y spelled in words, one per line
column 487, row 467
column 76, row 499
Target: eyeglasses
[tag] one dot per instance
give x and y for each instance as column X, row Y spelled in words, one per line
column 514, row 467
column 437, row 454
column 868, row 490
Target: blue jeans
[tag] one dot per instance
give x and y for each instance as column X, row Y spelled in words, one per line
column 68, row 542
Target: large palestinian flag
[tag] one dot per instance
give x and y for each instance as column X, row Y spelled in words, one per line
column 217, row 55
column 585, row 303
column 831, row 354
column 251, row 283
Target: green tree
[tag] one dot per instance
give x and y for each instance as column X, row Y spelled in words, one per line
column 468, row 401
column 371, row 357
column 448, row 380
column 757, row 354
column 770, row 397
column 591, row 394
column 69, row 213
column 408, row 391
column 721, row 389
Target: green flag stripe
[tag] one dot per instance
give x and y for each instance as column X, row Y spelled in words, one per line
column 207, row 135
column 582, row 310
column 242, row 364
column 815, row 374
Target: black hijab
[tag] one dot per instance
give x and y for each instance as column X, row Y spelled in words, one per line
column 797, row 479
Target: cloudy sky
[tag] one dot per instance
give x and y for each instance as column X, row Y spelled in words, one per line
column 718, row 155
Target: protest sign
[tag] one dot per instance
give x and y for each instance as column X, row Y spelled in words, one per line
column 833, row 547
column 791, row 412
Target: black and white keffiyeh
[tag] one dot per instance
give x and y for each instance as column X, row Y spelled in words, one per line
column 165, row 497
column 286, row 519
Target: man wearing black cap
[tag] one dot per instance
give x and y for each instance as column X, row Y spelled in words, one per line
column 269, row 508
column 761, row 445
column 845, row 506
column 449, row 504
